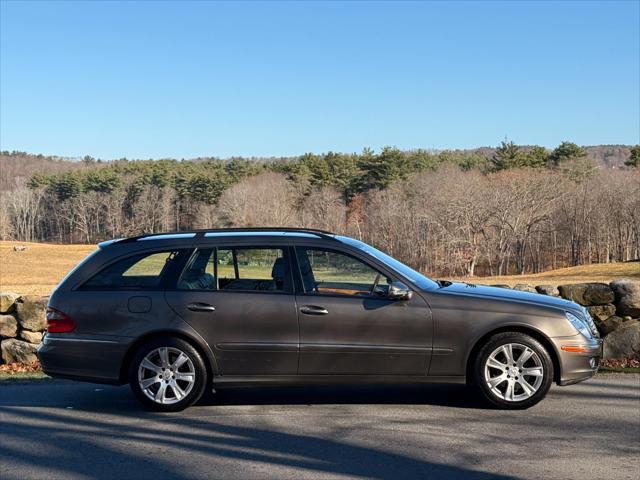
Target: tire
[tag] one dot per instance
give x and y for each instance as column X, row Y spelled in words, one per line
column 167, row 374
column 504, row 380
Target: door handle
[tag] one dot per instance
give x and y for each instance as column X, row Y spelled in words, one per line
column 201, row 307
column 313, row 310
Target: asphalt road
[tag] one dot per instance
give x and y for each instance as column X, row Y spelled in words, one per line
column 59, row 429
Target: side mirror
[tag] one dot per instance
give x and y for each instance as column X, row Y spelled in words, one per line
column 399, row 291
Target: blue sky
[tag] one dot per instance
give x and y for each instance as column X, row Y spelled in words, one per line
column 181, row 79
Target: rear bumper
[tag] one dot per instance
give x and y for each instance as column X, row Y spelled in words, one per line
column 577, row 366
column 83, row 358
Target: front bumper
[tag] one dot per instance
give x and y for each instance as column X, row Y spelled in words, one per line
column 577, row 366
column 93, row 359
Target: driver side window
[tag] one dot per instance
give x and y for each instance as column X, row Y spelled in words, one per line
column 334, row 273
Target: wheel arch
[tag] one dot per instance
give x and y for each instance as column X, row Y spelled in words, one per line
column 532, row 332
column 198, row 344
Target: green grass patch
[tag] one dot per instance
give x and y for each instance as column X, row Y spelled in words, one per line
column 619, row 369
column 6, row 377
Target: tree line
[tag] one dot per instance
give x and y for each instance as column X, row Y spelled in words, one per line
column 520, row 209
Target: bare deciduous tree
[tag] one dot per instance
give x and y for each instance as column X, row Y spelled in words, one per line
column 444, row 221
column 324, row 209
column 24, row 209
column 260, row 200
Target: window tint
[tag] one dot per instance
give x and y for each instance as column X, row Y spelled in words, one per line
column 328, row 272
column 264, row 269
column 142, row 271
column 200, row 273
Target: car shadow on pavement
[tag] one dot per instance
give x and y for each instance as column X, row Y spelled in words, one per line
column 57, row 441
column 82, row 432
column 456, row 396
column 91, row 431
column 444, row 395
column 310, row 456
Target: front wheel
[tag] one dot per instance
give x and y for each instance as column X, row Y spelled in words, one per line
column 513, row 371
column 167, row 374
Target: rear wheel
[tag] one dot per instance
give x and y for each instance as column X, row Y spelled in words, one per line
column 167, row 374
column 513, row 371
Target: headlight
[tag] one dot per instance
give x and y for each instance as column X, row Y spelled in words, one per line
column 579, row 325
column 590, row 323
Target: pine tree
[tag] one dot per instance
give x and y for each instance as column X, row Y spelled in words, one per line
column 634, row 159
column 566, row 151
column 508, row 155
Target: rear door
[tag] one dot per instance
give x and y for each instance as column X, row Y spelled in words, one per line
column 348, row 325
column 241, row 301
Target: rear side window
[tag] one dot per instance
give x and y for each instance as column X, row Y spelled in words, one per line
column 139, row 272
column 200, row 273
column 247, row 269
column 241, row 269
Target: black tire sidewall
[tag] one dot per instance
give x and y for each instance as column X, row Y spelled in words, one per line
column 201, row 373
column 502, row 339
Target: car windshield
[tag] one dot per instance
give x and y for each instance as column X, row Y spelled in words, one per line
column 416, row 277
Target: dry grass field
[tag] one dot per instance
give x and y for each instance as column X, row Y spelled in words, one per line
column 39, row 268
column 603, row 272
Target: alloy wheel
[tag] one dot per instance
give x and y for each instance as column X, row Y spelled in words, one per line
column 166, row 375
column 513, row 372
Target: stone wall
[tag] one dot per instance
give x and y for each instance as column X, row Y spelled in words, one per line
column 615, row 308
column 22, row 325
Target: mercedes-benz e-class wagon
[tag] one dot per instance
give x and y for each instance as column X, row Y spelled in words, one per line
column 177, row 314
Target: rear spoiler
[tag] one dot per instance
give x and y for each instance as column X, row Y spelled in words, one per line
column 106, row 243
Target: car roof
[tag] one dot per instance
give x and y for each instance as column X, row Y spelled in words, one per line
column 226, row 232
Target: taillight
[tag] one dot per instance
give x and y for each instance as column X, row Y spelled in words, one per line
column 58, row 322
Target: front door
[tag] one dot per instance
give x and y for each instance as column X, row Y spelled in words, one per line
column 348, row 325
column 241, row 301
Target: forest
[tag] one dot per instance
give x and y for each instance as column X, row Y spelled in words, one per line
column 510, row 209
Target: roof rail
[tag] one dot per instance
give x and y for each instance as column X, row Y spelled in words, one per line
column 200, row 233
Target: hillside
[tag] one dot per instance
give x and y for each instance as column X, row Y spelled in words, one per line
column 20, row 166
column 601, row 272
column 39, row 269
column 608, row 156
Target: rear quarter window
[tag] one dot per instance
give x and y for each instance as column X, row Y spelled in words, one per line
column 144, row 271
